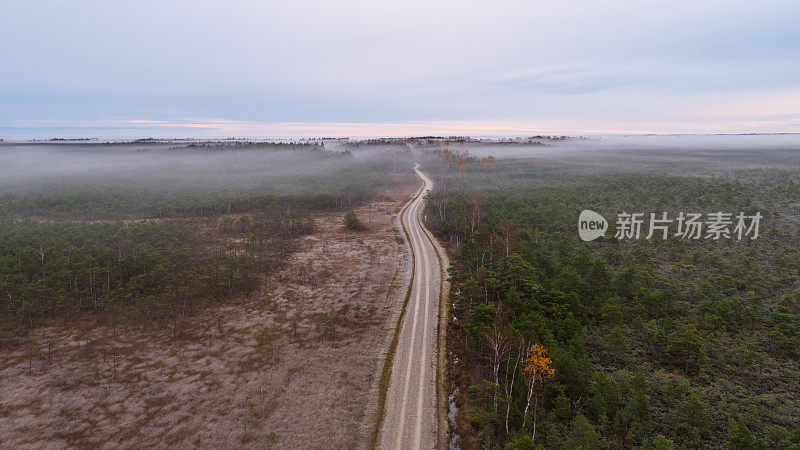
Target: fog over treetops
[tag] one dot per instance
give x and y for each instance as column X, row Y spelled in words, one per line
column 135, row 176
column 219, row 171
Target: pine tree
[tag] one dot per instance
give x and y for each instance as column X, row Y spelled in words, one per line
column 739, row 436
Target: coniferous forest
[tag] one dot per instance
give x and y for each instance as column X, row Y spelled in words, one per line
column 619, row 343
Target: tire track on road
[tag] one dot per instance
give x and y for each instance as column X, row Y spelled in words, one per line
column 410, row 418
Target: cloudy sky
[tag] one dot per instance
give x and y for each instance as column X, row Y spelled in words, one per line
column 305, row 67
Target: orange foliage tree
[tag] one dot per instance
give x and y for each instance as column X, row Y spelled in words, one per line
column 448, row 156
column 538, row 369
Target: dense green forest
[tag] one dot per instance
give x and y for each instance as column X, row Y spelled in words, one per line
column 147, row 232
column 660, row 343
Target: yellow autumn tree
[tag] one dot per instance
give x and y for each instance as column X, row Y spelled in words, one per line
column 538, row 369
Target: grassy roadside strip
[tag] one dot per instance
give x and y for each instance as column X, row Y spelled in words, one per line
column 373, row 419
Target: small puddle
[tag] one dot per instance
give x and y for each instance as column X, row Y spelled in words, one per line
column 451, row 417
column 453, row 409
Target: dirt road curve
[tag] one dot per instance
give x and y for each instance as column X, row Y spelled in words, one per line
column 410, row 419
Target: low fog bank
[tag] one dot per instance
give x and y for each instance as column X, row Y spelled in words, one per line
column 629, row 143
column 705, row 154
column 696, row 154
column 80, row 180
column 209, row 166
column 205, row 166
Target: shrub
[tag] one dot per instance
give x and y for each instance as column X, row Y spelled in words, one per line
column 352, row 222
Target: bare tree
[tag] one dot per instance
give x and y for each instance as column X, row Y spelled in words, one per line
column 498, row 342
column 475, row 211
column 440, row 203
column 509, row 386
column 510, row 234
column 42, row 252
column 6, row 283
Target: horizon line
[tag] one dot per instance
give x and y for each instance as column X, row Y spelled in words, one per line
column 189, row 128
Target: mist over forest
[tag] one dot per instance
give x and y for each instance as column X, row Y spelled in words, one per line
column 135, row 179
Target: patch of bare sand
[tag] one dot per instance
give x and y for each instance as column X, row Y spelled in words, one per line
column 291, row 367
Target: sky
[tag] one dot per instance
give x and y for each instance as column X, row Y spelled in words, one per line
column 397, row 68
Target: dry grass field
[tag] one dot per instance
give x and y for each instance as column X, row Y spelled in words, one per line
column 291, row 366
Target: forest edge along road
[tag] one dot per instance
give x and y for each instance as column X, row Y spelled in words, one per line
column 411, row 416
